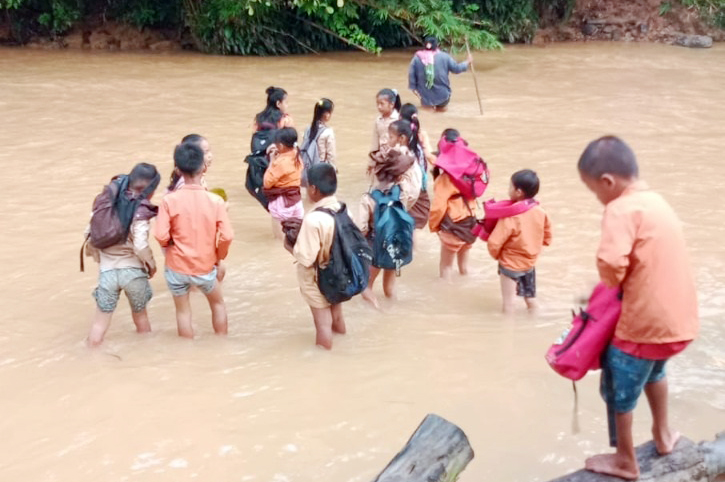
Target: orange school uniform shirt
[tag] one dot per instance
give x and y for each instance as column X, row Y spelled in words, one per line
column 447, row 199
column 284, row 171
column 516, row 241
column 643, row 250
column 193, row 223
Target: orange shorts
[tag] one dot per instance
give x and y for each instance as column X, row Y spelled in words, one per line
column 452, row 242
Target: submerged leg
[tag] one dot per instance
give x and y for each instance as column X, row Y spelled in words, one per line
column 338, row 320
column 389, row 283
column 218, row 310
column 508, row 293
column 323, row 325
column 183, row 316
column 99, row 327
column 368, row 294
column 446, row 264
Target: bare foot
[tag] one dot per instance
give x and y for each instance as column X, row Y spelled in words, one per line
column 665, row 441
column 370, row 297
column 613, row 464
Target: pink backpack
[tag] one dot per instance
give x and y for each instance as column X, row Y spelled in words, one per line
column 579, row 349
column 495, row 210
column 467, row 169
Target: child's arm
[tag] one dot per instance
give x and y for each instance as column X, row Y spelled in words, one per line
column 273, row 174
column 308, row 245
column 326, row 145
column 365, row 213
column 225, row 233
column 162, row 231
column 439, row 205
column 618, row 237
column 375, row 145
column 500, row 235
column 547, row 230
column 140, row 235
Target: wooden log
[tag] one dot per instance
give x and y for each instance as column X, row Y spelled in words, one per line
column 437, row 452
column 689, row 462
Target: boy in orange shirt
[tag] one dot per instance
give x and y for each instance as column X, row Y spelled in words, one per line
column 194, row 227
column 516, row 242
column 643, row 251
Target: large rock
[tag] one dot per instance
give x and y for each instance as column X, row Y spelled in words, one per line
column 694, row 41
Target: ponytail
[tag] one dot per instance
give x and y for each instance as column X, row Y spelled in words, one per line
column 271, row 113
column 409, row 113
column 392, row 96
column 322, row 107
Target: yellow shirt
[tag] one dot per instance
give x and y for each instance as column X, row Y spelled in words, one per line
column 643, row 250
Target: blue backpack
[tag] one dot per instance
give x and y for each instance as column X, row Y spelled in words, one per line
column 392, row 231
column 347, row 273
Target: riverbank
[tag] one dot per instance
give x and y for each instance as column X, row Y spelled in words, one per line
column 602, row 20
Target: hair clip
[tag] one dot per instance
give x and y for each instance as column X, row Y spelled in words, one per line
column 320, row 102
column 414, row 116
column 395, row 91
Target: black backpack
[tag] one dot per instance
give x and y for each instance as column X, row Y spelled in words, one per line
column 347, row 273
column 257, row 163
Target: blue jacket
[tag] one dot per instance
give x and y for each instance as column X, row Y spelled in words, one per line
column 441, row 91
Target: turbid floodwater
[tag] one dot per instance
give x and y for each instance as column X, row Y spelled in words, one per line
column 263, row 404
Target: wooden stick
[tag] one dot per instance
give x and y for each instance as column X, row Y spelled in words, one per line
column 475, row 80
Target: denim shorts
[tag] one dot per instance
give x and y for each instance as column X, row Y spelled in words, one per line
column 179, row 284
column 624, row 377
column 525, row 281
column 133, row 281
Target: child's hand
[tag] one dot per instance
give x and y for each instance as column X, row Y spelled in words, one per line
column 221, row 271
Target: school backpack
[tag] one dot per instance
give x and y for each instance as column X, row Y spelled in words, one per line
column 579, row 349
column 467, row 170
column 347, row 273
column 106, row 226
column 258, row 163
column 392, row 231
column 310, row 152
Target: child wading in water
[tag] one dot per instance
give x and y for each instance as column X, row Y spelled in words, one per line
column 193, row 226
column 177, row 180
column 312, row 250
column 128, row 265
column 421, row 209
column 282, row 181
column 388, row 104
column 390, row 167
column 452, row 217
column 319, row 140
column 275, row 114
column 643, row 251
column 517, row 240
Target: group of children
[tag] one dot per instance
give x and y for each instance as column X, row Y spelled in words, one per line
column 642, row 248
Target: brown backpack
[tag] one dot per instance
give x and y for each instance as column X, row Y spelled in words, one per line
column 107, row 228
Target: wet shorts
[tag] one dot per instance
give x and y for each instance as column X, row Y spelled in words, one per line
column 179, row 284
column 133, row 281
column 624, row 377
column 525, row 281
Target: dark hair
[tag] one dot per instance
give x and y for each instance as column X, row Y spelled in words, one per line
column 527, row 181
column 451, row 135
column 608, row 155
column 432, row 41
column 403, row 127
column 271, row 113
column 323, row 177
column 143, row 172
column 409, row 112
column 187, row 139
column 392, row 96
column 189, row 158
column 286, row 137
column 322, row 107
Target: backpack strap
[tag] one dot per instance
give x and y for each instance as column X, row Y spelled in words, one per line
column 83, row 247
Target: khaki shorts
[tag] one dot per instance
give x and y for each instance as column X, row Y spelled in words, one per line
column 132, row 281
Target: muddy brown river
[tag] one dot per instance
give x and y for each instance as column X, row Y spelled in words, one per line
column 264, row 404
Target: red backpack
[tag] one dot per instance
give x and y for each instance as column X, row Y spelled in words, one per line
column 467, row 170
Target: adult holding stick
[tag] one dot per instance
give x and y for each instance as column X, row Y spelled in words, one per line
column 428, row 75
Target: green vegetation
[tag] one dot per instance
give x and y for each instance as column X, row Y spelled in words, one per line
column 274, row 27
column 711, row 10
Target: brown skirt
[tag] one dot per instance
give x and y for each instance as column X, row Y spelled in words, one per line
column 421, row 210
column 461, row 229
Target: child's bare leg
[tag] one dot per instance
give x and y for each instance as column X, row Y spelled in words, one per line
column 389, row 283
column 508, row 293
column 531, row 304
column 446, row 264
column 218, row 310
column 368, row 294
column 665, row 438
column 338, row 320
column 141, row 320
column 183, row 316
column 623, row 463
column 323, row 325
column 277, row 229
column 99, row 327
column 463, row 260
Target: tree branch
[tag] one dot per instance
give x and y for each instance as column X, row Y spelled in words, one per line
column 330, row 32
column 264, row 27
